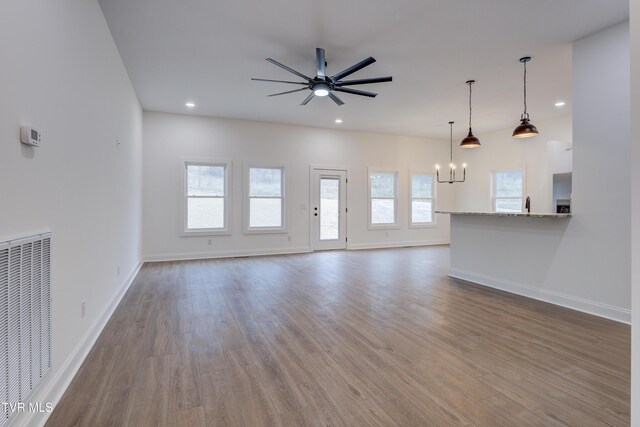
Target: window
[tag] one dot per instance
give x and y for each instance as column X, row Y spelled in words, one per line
column 265, row 208
column 206, row 197
column 422, row 200
column 383, row 199
column 508, row 188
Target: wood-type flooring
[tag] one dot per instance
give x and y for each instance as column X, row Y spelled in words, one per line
column 344, row 338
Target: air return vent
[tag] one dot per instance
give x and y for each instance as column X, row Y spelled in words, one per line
column 25, row 319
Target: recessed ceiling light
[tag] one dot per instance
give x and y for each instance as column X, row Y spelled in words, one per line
column 190, row 105
column 560, row 104
column 338, row 121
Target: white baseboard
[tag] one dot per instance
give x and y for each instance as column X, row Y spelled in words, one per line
column 618, row 314
column 383, row 245
column 281, row 251
column 225, row 254
column 52, row 390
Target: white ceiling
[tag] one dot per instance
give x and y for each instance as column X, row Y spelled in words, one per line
column 206, row 51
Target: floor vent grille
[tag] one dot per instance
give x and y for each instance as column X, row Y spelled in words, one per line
column 25, row 320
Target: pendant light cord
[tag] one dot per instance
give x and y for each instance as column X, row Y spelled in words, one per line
column 525, row 88
column 470, row 83
column 451, row 145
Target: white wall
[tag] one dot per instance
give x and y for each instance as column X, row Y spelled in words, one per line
column 168, row 137
column 62, row 74
column 540, row 157
column 635, row 211
column 583, row 262
column 597, row 239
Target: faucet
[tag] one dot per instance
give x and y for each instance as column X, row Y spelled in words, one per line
column 527, row 204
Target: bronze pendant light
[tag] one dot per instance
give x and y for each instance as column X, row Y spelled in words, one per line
column 470, row 141
column 525, row 129
column 452, row 167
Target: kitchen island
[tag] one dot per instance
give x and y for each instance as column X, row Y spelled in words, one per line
column 517, row 253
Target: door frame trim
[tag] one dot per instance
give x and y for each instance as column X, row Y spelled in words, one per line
column 337, row 168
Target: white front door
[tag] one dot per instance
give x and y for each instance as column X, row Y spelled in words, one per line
column 328, row 209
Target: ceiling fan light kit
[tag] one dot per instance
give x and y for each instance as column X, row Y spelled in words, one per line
column 321, row 89
column 321, row 85
column 525, row 129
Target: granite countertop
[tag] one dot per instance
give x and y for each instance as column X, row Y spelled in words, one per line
column 518, row 214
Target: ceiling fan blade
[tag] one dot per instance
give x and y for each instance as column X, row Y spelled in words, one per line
column 320, row 62
column 364, row 81
column 289, row 91
column 308, row 98
column 280, row 81
column 336, row 99
column 359, row 66
column 355, row 92
column 291, row 70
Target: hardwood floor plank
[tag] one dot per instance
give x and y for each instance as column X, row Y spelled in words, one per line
column 208, row 346
column 518, row 414
column 112, row 409
column 117, row 326
column 160, row 333
column 200, row 305
column 184, row 388
column 250, row 405
column 183, row 316
column 150, row 398
column 193, row 417
column 230, row 335
column 217, row 397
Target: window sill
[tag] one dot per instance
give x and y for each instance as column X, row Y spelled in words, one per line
column 384, row 227
column 424, row 225
column 266, row 231
column 197, row 233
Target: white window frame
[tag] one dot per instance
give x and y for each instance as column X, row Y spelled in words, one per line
column 283, row 208
column 522, row 169
column 413, row 224
column 396, row 198
column 227, row 165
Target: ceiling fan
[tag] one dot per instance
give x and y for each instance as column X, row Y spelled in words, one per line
column 323, row 85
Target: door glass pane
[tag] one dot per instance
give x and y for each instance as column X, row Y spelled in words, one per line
column 421, row 211
column 329, row 208
column 265, row 212
column 382, row 211
column 205, row 213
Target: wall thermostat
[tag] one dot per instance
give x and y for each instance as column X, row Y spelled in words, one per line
column 30, row 136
